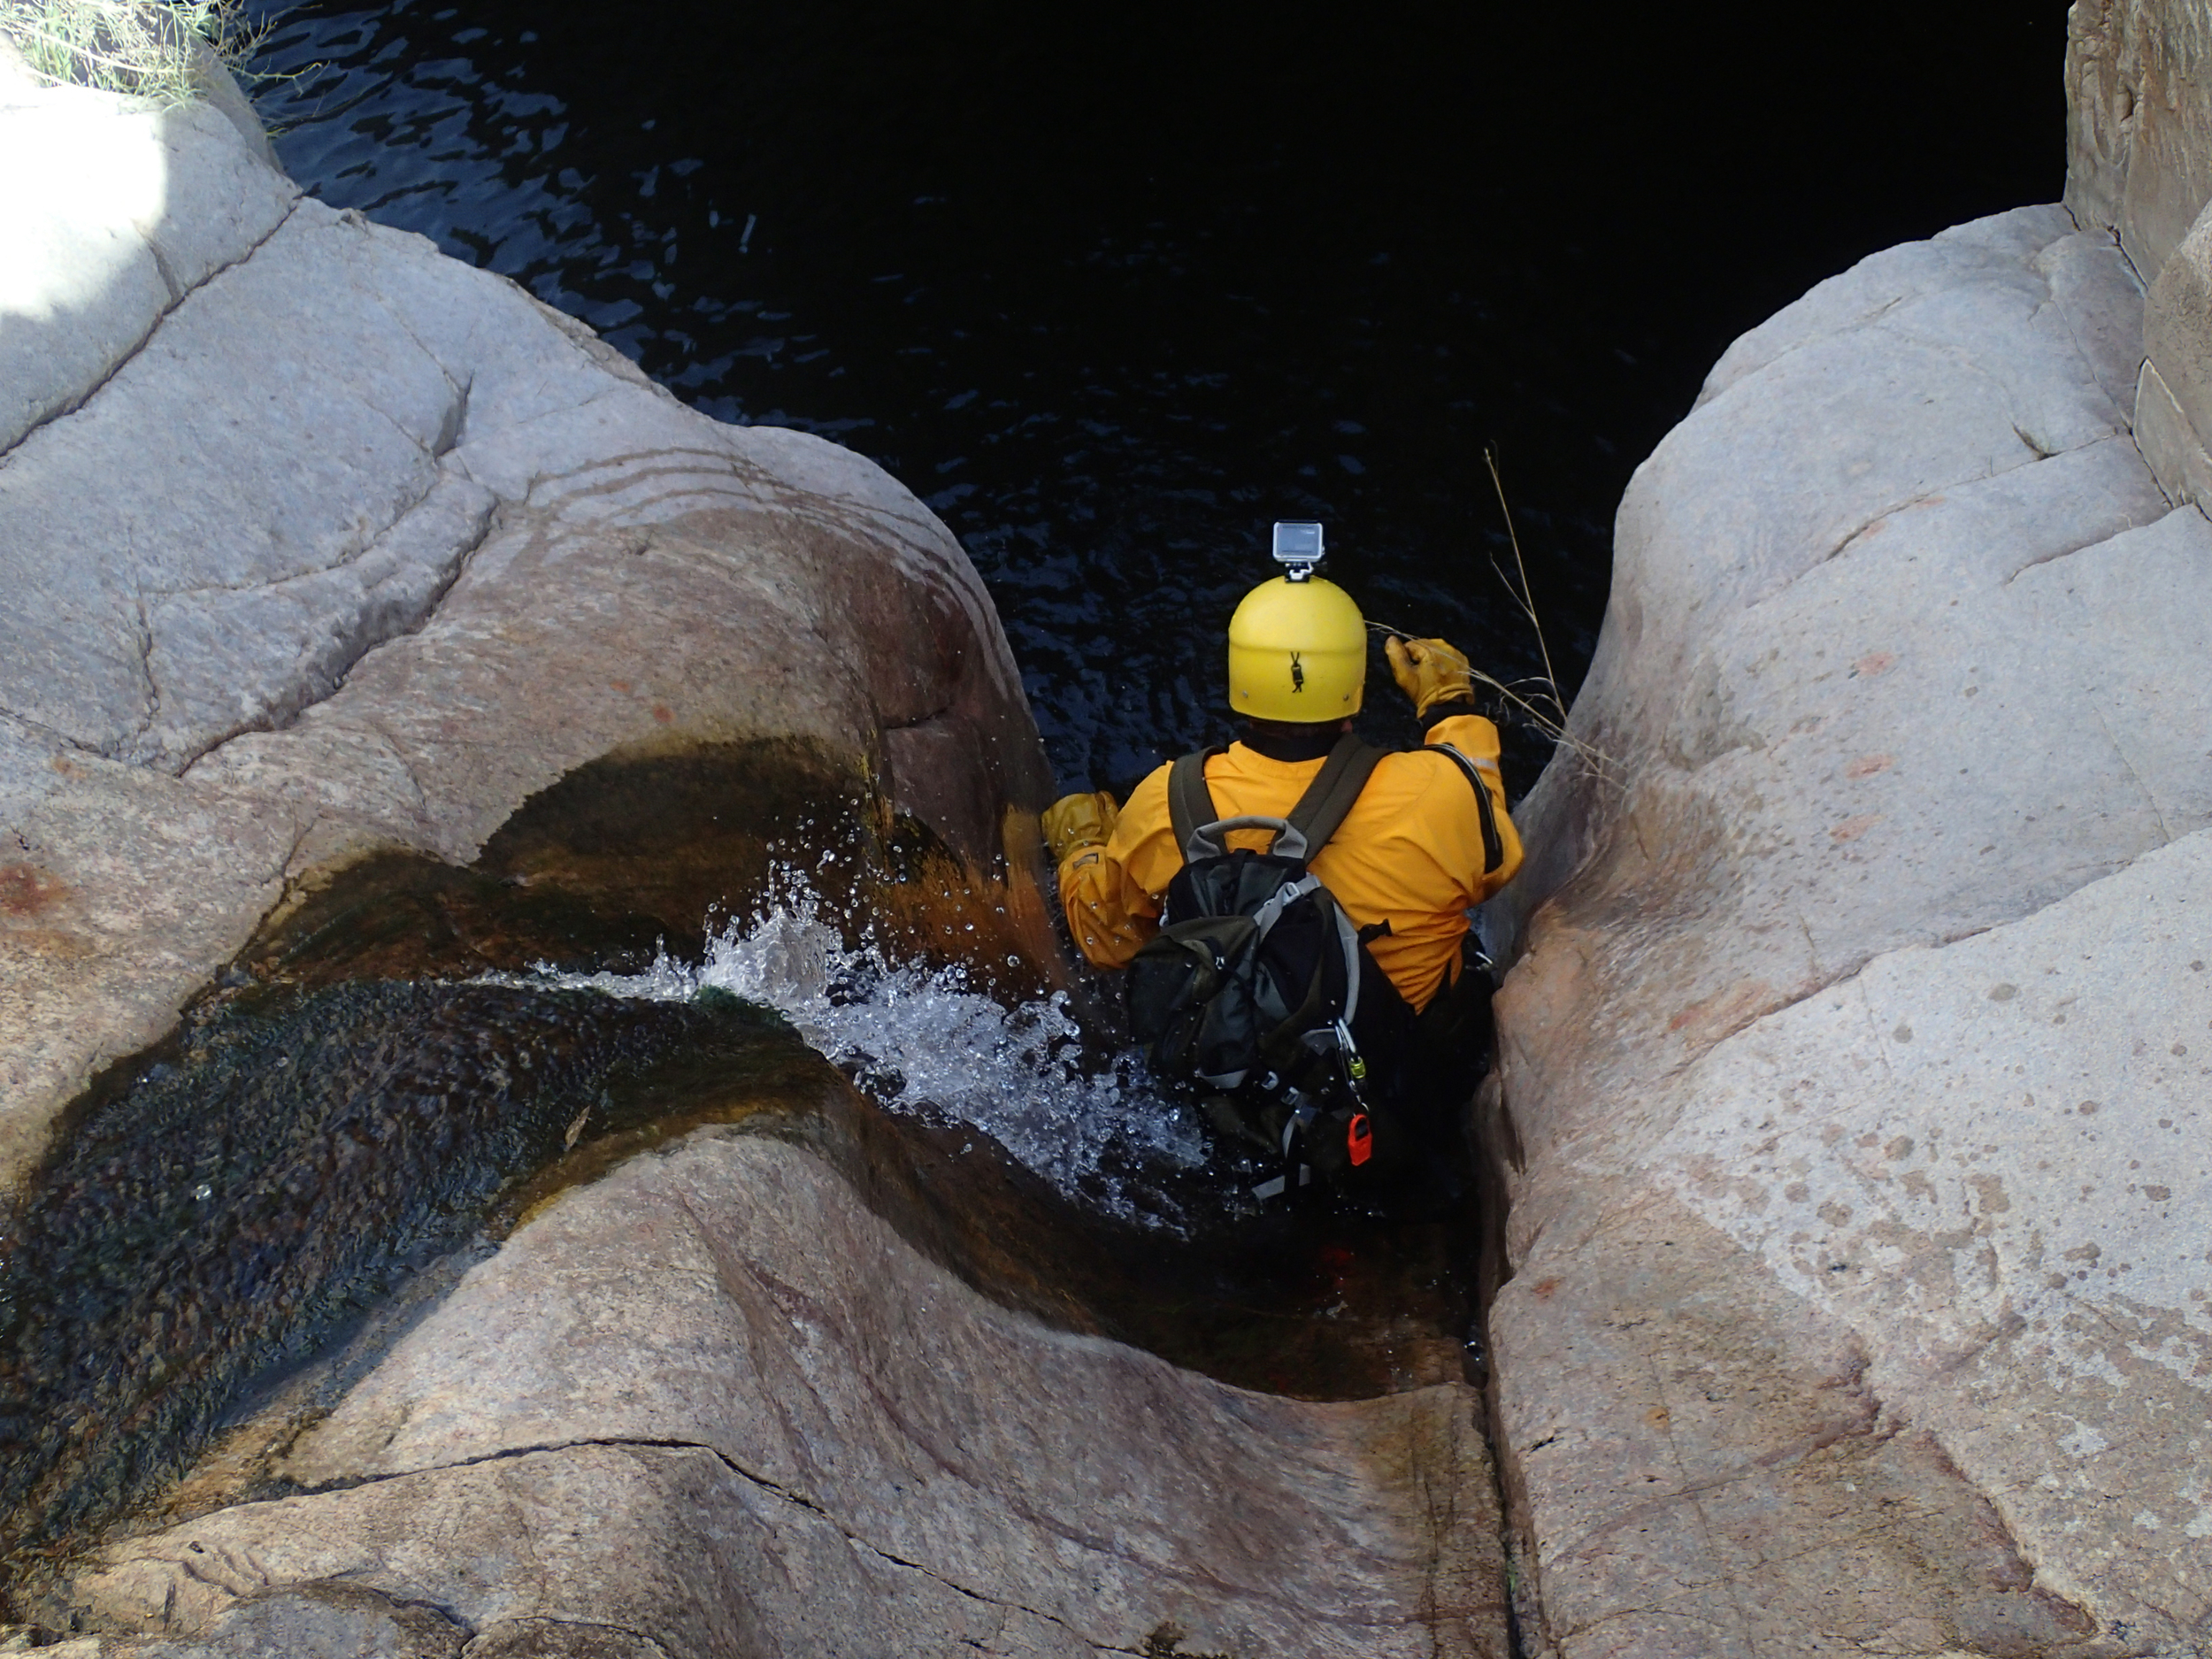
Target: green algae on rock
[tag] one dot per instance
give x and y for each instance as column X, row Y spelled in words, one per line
column 297, row 1155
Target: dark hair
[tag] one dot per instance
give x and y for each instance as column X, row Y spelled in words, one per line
column 1294, row 739
column 1295, row 730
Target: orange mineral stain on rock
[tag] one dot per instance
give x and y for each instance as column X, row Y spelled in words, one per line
column 662, row 713
column 25, row 890
column 1874, row 663
column 1867, row 766
column 1852, row 828
column 1711, row 1018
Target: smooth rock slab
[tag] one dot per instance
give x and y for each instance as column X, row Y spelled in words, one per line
column 714, row 1403
column 113, row 212
column 324, row 545
column 1906, row 700
column 2035, row 1103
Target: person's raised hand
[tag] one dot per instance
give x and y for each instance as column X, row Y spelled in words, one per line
column 1429, row 672
column 1076, row 821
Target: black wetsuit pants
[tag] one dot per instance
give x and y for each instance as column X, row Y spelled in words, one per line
column 1423, row 1068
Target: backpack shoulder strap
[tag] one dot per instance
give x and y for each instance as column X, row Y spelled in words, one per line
column 1190, row 804
column 1493, row 844
column 1333, row 790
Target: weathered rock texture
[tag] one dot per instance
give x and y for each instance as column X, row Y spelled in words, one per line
column 2138, row 90
column 1858, row 1059
column 712, row 1406
column 321, row 553
column 314, row 542
column 2138, row 94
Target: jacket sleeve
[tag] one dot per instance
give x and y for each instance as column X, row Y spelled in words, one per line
column 1476, row 739
column 1111, row 911
column 1105, row 915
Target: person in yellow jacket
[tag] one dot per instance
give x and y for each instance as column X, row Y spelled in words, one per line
column 1419, row 847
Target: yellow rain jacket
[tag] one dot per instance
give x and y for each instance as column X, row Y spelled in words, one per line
column 1409, row 853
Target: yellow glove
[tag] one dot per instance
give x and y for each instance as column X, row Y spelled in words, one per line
column 1429, row 672
column 1076, row 821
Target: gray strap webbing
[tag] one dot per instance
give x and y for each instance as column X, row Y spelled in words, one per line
column 1265, row 917
column 1329, row 797
column 1190, row 804
column 1210, row 840
column 1277, row 1188
column 1349, row 935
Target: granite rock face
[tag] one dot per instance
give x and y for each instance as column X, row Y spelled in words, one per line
column 121, row 216
column 1857, row 1053
column 2138, row 94
column 315, row 543
column 713, row 1406
column 2139, row 98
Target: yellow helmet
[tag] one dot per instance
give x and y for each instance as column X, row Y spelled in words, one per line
column 1297, row 651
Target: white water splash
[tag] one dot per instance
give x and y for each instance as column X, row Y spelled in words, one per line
column 924, row 1042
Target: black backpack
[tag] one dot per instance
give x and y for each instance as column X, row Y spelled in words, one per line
column 1250, row 988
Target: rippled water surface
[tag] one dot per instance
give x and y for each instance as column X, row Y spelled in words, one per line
column 1111, row 289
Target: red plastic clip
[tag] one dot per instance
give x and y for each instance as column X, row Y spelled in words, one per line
column 1360, row 1140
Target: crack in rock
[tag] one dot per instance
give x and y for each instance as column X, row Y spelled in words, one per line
column 774, row 1488
column 399, row 585
column 800, row 1501
column 76, row 402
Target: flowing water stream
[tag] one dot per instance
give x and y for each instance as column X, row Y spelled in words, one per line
column 235, row 1223
column 925, row 1041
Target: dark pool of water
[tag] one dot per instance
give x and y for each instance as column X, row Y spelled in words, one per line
column 1112, row 289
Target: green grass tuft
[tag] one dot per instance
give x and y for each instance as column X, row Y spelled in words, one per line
column 150, row 49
